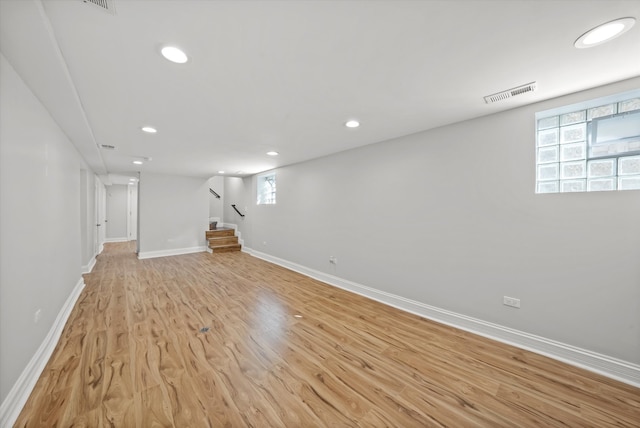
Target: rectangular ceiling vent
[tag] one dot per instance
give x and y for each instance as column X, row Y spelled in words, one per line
column 108, row 146
column 509, row 93
column 105, row 5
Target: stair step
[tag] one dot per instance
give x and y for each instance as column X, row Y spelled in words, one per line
column 220, row 232
column 222, row 240
column 226, row 248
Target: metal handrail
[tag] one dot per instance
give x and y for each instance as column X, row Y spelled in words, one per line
column 234, row 207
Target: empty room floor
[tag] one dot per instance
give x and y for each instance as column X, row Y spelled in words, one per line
column 218, row 340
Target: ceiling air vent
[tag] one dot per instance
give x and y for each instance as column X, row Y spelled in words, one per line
column 105, row 5
column 108, row 146
column 523, row 89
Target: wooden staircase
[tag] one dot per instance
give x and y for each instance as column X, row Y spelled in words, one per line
column 223, row 240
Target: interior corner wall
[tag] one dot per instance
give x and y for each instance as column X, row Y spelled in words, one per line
column 216, row 205
column 236, row 191
column 448, row 217
column 40, row 249
column 173, row 214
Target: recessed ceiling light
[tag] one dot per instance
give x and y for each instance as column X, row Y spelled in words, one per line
column 272, row 153
column 605, row 32
column 132, row 179
column 138, row 162
column 149, row 129
column 352, row 124
column 220, row 172
column 174, row 54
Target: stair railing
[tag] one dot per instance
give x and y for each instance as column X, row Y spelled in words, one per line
column 234, row 207
column 213, row 192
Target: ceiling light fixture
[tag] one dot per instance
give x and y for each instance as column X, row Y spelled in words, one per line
column 272, row 153
column 352, row 124
column 605, row 32
column 138, row 162
column 174, row 54
column 220, row 172
column 149, row 129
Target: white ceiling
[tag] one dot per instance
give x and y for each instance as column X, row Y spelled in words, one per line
column 286, row 75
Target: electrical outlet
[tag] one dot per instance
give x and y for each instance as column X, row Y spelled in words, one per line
column 37, row 315
column 511, row 301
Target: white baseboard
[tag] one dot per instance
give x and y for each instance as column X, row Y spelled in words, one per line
column 174, row 252
column 117, row 240
column 89, row 267
column 17, row 397
column 608, row 366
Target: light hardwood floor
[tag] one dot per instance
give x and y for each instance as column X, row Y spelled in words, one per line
column 133, row 355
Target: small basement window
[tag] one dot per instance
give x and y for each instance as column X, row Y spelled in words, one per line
column 591, row 146
column 267, row 189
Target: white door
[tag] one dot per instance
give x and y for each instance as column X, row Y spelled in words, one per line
column 132, row 224
column 96, row 218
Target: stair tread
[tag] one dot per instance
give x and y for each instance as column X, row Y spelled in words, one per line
column 225, row 248
column 220, row 233
column 223, row 241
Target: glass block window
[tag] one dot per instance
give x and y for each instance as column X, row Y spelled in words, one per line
column 589, row 147
column 267, row 189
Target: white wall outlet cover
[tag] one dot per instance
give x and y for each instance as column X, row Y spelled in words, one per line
column 511, row 301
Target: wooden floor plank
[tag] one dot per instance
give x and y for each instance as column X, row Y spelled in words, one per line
column 230, row 340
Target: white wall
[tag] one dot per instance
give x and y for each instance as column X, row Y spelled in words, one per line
column 41, row 251
column 234, row 194
column 117, row 212
column 216, row 205
column 85, row 239
column 88, row 220
column 449, row 218
column 173, row 213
